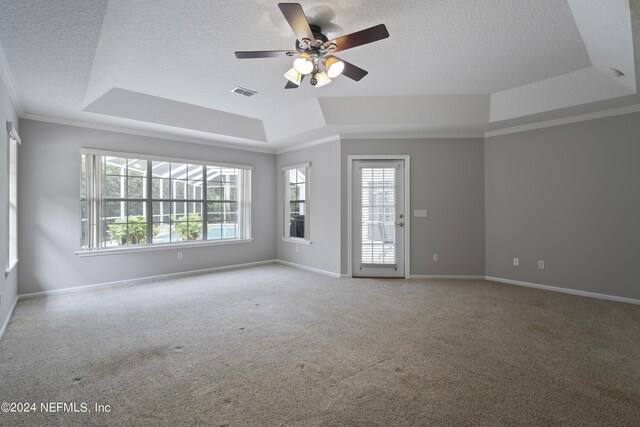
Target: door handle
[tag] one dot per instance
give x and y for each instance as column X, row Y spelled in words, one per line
column 400, row 224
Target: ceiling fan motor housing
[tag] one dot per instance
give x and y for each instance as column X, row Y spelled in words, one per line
column 320, row 39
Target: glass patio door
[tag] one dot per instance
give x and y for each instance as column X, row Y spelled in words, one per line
column 378, row 218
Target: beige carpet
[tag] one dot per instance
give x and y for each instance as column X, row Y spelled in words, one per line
column 274, row 345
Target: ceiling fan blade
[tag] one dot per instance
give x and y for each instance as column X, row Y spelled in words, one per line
column 359, row 38
column 294, row 15
column 292, row 85
column 353, row 72
column 248, row 54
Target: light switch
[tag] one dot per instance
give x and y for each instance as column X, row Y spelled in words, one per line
column 420, row 213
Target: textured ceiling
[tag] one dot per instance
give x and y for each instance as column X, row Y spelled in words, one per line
column 452, row 66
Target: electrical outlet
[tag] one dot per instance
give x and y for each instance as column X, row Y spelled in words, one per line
column 297, row 248
column 541, row 265
column 435, row 257
column 179, row 255
column 516, row 262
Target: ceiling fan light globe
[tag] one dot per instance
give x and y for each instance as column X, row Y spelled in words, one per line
column 334, row 67
column 323, row 79
column 303, row 64
column 293, row 76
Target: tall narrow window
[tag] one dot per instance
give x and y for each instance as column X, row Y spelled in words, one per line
column 13, row 142
column 132, row 200
column 296, row 201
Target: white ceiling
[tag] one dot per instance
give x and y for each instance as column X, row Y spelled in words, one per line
column 449, row 67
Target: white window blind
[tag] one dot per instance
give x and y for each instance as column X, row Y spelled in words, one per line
column 12, row 196
column 378, row 215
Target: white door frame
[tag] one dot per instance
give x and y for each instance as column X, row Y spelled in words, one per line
column 407, row 205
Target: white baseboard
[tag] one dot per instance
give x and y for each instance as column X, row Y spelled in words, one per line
column 447, row 277
column 315, row 270
column 142, row 280
column 8, row 319
column 312, row 269
column 564, row 290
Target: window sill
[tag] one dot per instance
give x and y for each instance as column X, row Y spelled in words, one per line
column 297, row 240
column 10, row 268
column 147, row 248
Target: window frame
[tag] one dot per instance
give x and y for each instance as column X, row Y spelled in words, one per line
column 243, row 211
column 13, row 140
column 286, row 237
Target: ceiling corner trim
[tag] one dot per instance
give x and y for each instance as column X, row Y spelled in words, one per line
column 9, row 82
column 332, row 138
column 141, row 132
column 566, row 120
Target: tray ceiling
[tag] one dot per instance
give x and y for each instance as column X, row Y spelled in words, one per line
column 449, row 66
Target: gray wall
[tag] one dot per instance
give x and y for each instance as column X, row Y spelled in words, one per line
column 447, row 179
column 8, row 285
column 49, row 185
column 568, row 195
column 324, row 252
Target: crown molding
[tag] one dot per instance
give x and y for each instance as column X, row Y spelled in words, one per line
column 141, row 132
column 337, row 137
column 9, row 82
column 320, row 141
column 425, row 135
column 340, row 137
column 566, row 120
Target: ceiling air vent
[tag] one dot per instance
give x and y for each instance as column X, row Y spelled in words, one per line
column 242, row 91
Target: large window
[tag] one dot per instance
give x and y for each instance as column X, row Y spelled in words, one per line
column 296, row 201
column 131, row 200
column 13, row 142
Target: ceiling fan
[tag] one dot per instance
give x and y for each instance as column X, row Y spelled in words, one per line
column 314, row 51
